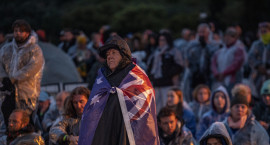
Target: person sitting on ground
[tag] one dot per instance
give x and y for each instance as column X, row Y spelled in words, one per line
column 175, row 102
column 220, row 103
column 216, row 134
column 43, row 105
column 20, row 131
column 201, row 101
column 242, row 126
column 55, row 111
column 66, row 131
column 172, row 130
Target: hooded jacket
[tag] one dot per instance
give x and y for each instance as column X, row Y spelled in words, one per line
column 216, row 130
column 212, row 115
column 24, row 64
column 251, row 134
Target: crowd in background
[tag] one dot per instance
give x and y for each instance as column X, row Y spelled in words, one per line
column 206, row 76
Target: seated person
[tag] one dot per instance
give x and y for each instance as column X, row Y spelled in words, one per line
column 66, row 130
column 55, row 111
column 20, row 131
column 175, row 102
column 216, row 135
column 171, row 130
column 220, row 107
column 43, row 105
column 242, row 126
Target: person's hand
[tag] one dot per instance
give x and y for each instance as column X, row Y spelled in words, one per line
column 73, row 139
column 264, row 124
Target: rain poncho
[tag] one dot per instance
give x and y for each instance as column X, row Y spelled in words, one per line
column 251, row 134
column 212, row 115
column 23, row 64
column 65, row 126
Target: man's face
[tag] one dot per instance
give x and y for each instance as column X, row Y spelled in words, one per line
column 113, row 58
column 168, row 124
column 19, row 35
column 203, row 32
column 79, row 102
column 229, row 40
column 266, row 99
column 213, row 141
column 15, row 122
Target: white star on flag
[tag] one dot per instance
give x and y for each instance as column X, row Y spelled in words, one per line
column 99, row 80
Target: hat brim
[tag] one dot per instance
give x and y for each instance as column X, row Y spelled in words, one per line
column 105, row 48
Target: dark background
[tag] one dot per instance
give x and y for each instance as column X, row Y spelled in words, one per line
column 132, row 15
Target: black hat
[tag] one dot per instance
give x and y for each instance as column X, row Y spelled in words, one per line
column 239, row 99
column 115, row 42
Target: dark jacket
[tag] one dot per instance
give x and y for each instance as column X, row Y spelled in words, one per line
column 181, row 136
column 111, row 128
column 171, row 66
column 262, row 113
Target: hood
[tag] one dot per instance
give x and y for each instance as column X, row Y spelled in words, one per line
column 33, row 39
column 224, row 91
column 115, row 42
column 265, row 88
column 218, row 130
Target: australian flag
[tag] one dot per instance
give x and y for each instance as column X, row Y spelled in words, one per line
column 137, row 101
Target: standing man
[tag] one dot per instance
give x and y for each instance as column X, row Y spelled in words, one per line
column 259, row 56
column 228, row 61
column 199, row 54
column 21, row 65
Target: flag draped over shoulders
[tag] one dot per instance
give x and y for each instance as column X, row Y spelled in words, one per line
column 137, row 101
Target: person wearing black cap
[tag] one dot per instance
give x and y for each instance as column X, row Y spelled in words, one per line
column 242, row 126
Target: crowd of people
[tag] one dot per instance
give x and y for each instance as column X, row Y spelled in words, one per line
column 209, row 86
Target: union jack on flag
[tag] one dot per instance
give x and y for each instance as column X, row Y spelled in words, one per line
column 137, row 101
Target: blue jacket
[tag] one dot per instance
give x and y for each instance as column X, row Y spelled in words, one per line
column 212, row 115
column 190, row 120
